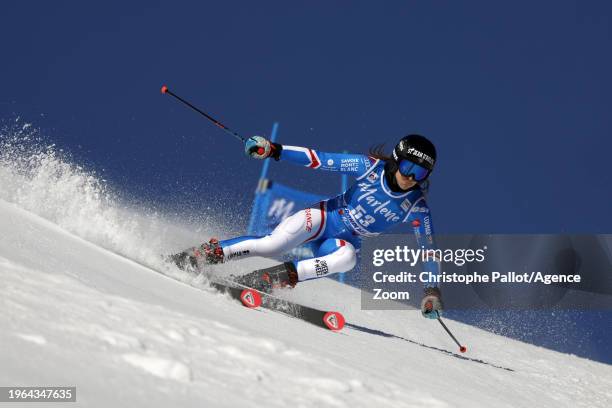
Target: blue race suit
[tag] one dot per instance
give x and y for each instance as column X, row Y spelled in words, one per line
column 337, row 225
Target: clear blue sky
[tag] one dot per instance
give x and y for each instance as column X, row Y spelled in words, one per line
column 516, row 95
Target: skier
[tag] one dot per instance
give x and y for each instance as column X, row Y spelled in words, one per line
column 387, row 191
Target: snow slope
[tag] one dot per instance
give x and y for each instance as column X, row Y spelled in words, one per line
column 77, row 311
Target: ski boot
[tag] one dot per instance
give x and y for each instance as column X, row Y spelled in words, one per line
column 274, row 277
column 193, row 259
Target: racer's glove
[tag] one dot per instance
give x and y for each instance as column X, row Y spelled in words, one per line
column 431, row 305
column 259, row 147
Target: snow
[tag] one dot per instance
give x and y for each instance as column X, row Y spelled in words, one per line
column 76, row 311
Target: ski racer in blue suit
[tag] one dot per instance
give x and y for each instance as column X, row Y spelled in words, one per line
column 387, row 192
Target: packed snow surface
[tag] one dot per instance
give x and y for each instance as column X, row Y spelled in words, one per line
column 78, row 311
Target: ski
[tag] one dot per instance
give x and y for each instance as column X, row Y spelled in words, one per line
column 248, row 297
column 253, row 298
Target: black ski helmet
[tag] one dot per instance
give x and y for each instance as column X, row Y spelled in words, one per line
column 416, row 148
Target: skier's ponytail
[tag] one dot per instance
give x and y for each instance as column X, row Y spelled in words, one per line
column 378, row 152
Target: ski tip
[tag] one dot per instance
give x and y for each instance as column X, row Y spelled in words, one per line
column 463, row 349
column 164, row 89
column 250, row 298
column 334, row 321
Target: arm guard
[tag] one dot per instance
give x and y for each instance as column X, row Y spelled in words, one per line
column 422, row 226
column 355, row 164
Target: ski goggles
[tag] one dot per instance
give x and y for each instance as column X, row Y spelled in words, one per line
column 408, row 168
